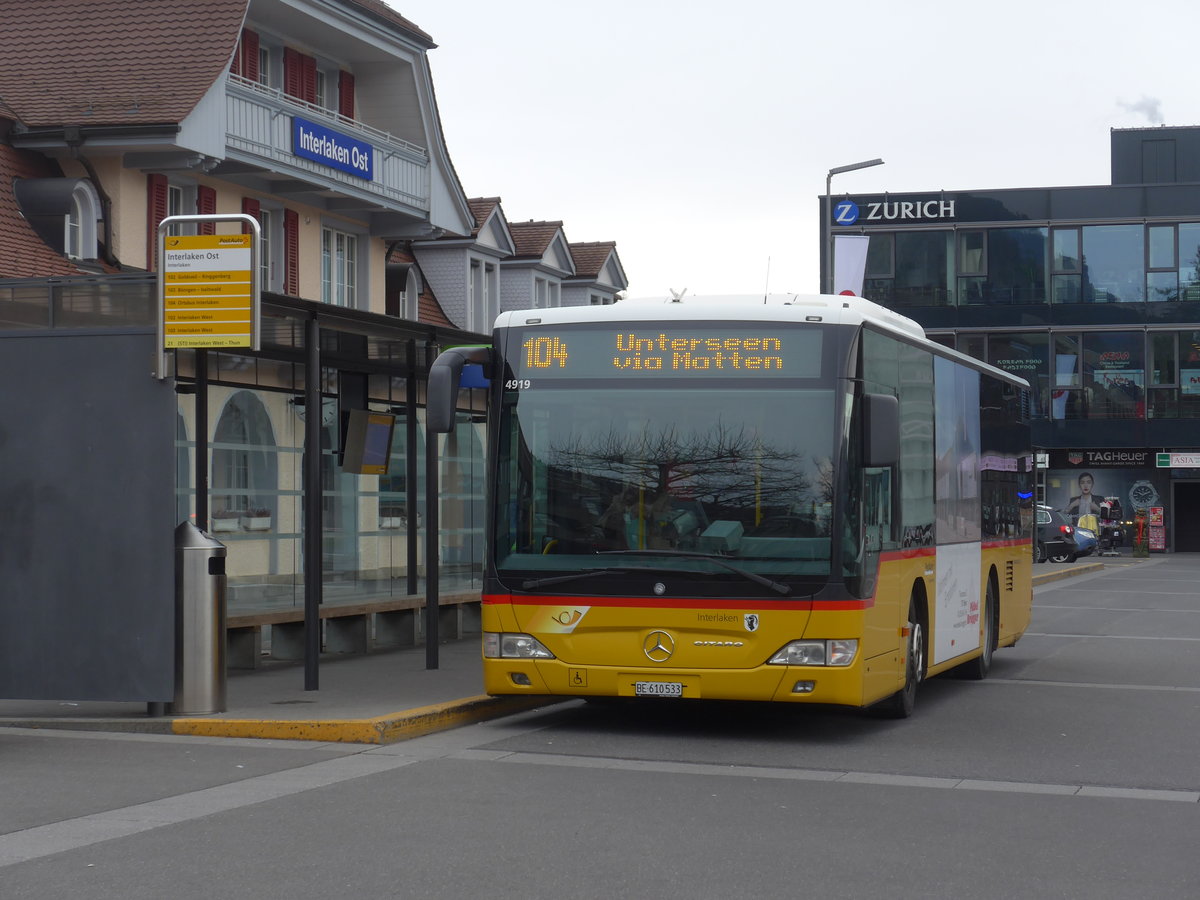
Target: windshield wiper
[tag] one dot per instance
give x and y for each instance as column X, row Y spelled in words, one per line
column 776, row 586
column 559, row 579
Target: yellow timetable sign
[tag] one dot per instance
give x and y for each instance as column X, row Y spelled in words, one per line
column 208, row 291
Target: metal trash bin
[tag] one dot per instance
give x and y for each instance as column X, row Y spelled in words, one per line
column 199, row 623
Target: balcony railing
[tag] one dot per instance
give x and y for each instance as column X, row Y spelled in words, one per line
column 259, row 124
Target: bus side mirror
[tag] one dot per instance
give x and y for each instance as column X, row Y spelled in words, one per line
column 881, row 431
column 441, row 399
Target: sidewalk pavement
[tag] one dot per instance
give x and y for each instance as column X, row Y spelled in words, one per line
column 376, row 698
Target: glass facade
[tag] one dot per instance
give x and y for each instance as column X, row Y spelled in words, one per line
column 1092, row 294
column 1067, row 266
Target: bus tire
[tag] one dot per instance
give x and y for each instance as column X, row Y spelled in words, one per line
column 978, row 668
column 900, row 704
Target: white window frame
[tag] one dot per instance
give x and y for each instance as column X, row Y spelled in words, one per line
column 264, row 65
column 271, row 268
column 412, row 295
column 342, row 267
column 181, row 201
column 483, row 293
column 79, row 225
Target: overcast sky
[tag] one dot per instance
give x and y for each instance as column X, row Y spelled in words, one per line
column 697, row 134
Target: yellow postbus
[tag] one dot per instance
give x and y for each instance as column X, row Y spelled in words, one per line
column 791, row 498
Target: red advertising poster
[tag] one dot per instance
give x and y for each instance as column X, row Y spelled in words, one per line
column 1156, row 516
column 1158, row 537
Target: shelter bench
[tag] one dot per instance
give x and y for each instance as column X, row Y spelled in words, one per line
column 395, row 622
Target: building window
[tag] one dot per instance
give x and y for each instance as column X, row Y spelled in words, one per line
column 1004, row 265
column 271, row 249
column 79, row 238
column 924, row 260
column 1114, row 372
column 175, row 208
column 1189, row 261
column 264, row 67
column 339, row 267
column 972, row 253
column 1066, row 398
column 484, row 293
column 1026, row 355
column 1066, row 285
column 1162, row 273
column 546, row 293
column 1114, row 268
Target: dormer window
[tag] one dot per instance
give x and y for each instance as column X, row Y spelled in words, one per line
column 63, row 211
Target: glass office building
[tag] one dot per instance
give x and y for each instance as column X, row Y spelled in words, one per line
column 1090, row 293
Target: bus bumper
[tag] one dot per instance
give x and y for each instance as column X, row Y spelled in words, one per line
column 842, row 686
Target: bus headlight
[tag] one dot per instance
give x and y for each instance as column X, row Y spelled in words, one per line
column 816, row 653
column 498, row 645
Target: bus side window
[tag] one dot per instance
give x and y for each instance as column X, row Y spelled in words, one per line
column 877, row 510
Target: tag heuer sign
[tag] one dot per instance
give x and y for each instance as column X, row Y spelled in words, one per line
column 1075, row 458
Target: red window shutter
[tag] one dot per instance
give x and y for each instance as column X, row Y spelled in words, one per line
column 250, row 207
column 156, row 211
column 206, row 205
column 250, row 54
column 291, row 252
column 235, row 64
column 308, row 70
column 293, row 84
column 346, row 94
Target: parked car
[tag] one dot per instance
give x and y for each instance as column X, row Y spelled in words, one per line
column 1086, row 541
column 1055, row 536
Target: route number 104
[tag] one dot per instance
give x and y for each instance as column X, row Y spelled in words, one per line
column 544, row 352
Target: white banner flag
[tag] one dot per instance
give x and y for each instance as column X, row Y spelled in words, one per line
column 849, row 263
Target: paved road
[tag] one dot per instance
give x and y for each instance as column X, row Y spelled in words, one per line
column 1071, row 773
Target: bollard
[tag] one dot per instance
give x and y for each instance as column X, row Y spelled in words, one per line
column 199, row 623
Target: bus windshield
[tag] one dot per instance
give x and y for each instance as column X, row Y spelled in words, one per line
column 663, row 474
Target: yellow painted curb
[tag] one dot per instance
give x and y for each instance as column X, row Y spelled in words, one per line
column 387, row 729
column 1074, row 571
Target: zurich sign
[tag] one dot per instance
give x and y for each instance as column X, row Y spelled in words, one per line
column 845, row 213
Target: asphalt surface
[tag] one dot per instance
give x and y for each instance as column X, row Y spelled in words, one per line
column 377, row 698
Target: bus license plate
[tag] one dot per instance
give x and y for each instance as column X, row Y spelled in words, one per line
column 658, row 688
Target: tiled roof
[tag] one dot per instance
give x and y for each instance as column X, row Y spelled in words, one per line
column 430, row 311
column 591, row 257
column 532, row 239
column 481, row 208
column 113, row 62
column 22, row 253
column 383, row 11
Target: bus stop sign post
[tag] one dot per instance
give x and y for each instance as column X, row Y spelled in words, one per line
column 208, row 286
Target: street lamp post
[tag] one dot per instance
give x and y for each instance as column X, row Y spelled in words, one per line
column 837, row 170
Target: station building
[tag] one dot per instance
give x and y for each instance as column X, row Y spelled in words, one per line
column 319, row 119
column 1092, row 294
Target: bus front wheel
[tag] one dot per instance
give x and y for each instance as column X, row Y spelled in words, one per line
column 900, row 704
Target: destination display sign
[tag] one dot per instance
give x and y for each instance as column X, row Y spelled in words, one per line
column 208, row 291
column 702, row 351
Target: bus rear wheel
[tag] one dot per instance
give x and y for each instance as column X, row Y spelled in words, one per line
column 900, row 704
column 978, row 668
